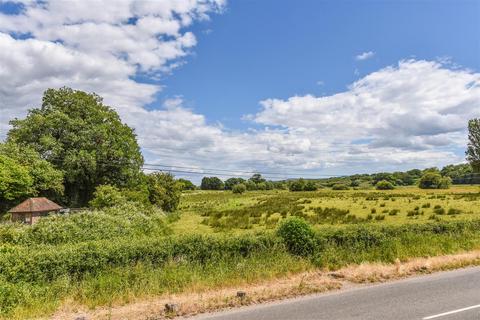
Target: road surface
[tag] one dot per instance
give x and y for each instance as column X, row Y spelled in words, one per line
column 451, row 295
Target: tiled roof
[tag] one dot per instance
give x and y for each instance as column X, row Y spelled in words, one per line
column 36, row 205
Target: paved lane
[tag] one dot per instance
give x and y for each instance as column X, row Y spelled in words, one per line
column 452, row 295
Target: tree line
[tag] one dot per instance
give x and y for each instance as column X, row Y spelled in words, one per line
column 75, row 150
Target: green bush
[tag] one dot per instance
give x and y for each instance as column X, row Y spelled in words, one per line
column 384, row 185
column 106, row 196
column 340, row 186
column 298, row 236
column 164, row 191
column 239, row 188
column 434, row 180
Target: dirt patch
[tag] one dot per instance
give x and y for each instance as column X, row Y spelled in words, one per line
column 289, row 287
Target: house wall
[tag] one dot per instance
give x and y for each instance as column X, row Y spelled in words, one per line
column 30, row 217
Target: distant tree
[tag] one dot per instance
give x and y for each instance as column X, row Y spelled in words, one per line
column 164, row 191
column 185, row 184
column 383, row 176
column 456, row 171
column 269, row 185
column 257, row 178
column 229, row 183
column 251, row 186
column 297, row 185
column 211, row 183
column 261, row 186
column 473, row 149
column 239, row 188
column 310, row 186
column 384, row 185
column 82, row 137
column 434, row 180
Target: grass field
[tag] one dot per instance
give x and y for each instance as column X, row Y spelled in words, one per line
column 218, row 239
column 217, row 211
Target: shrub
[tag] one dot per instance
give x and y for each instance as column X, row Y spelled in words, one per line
column 340, row 186
column 453, row 211
column 384, row 185
column 373, row 210
column 297, row 185
column 393, row 212
column 239, row 188
column 164, row 191
column 298, row 236
column 434, row 180
column 106, row 196
column 380, row 217
column 310, row 186
column 439, row 210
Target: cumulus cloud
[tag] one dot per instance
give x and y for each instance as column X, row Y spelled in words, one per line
column 364, row 55
column 96, row 46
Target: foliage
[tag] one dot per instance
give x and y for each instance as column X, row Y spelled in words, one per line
column 211, row 183
column 239, row 188
column 298, row 236
column 257, row 178
column 15, row 180
column 24, row 174
column 434, row 180
column 126, row 220
column 297, row 185
column 231, row 182
column 384, row 185
column 473, row 149
column 163, row 190
column 106, row 196
column 340, row 186
column 85, row 139
column 185, row 184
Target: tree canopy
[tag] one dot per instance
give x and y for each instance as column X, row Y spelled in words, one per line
column 82, row 137
column 24, row 174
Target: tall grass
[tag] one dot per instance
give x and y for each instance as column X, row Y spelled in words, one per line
column 34, row 279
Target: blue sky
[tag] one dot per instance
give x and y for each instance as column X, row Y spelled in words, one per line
column 298, row 87
column 260, row 49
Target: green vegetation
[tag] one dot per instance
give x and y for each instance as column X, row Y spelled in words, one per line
column 384, row 185
column 84, row 139
column 142, row 236
column 473, row 149
column 434, row 180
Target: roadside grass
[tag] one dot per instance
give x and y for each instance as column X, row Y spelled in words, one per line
column 218, row 240
column 38, row 280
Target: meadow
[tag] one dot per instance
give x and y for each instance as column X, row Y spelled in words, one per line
column 219, row 239
column 217, row 211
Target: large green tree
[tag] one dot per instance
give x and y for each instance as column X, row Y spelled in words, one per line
column 473, row 149
column 84, row 138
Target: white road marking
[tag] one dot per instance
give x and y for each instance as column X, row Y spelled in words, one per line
column 451, row 312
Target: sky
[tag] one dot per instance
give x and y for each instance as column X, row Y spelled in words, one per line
column 286, row 88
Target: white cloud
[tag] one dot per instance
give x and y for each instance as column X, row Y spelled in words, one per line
column 95, row 46
column 364, row 55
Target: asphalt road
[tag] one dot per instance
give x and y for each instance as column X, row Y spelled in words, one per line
column 451, row 295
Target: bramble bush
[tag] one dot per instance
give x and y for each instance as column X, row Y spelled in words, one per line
column 298, row 236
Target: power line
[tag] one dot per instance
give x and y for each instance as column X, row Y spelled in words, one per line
column 239, row 171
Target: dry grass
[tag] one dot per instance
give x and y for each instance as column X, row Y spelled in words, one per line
column 288, row 287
